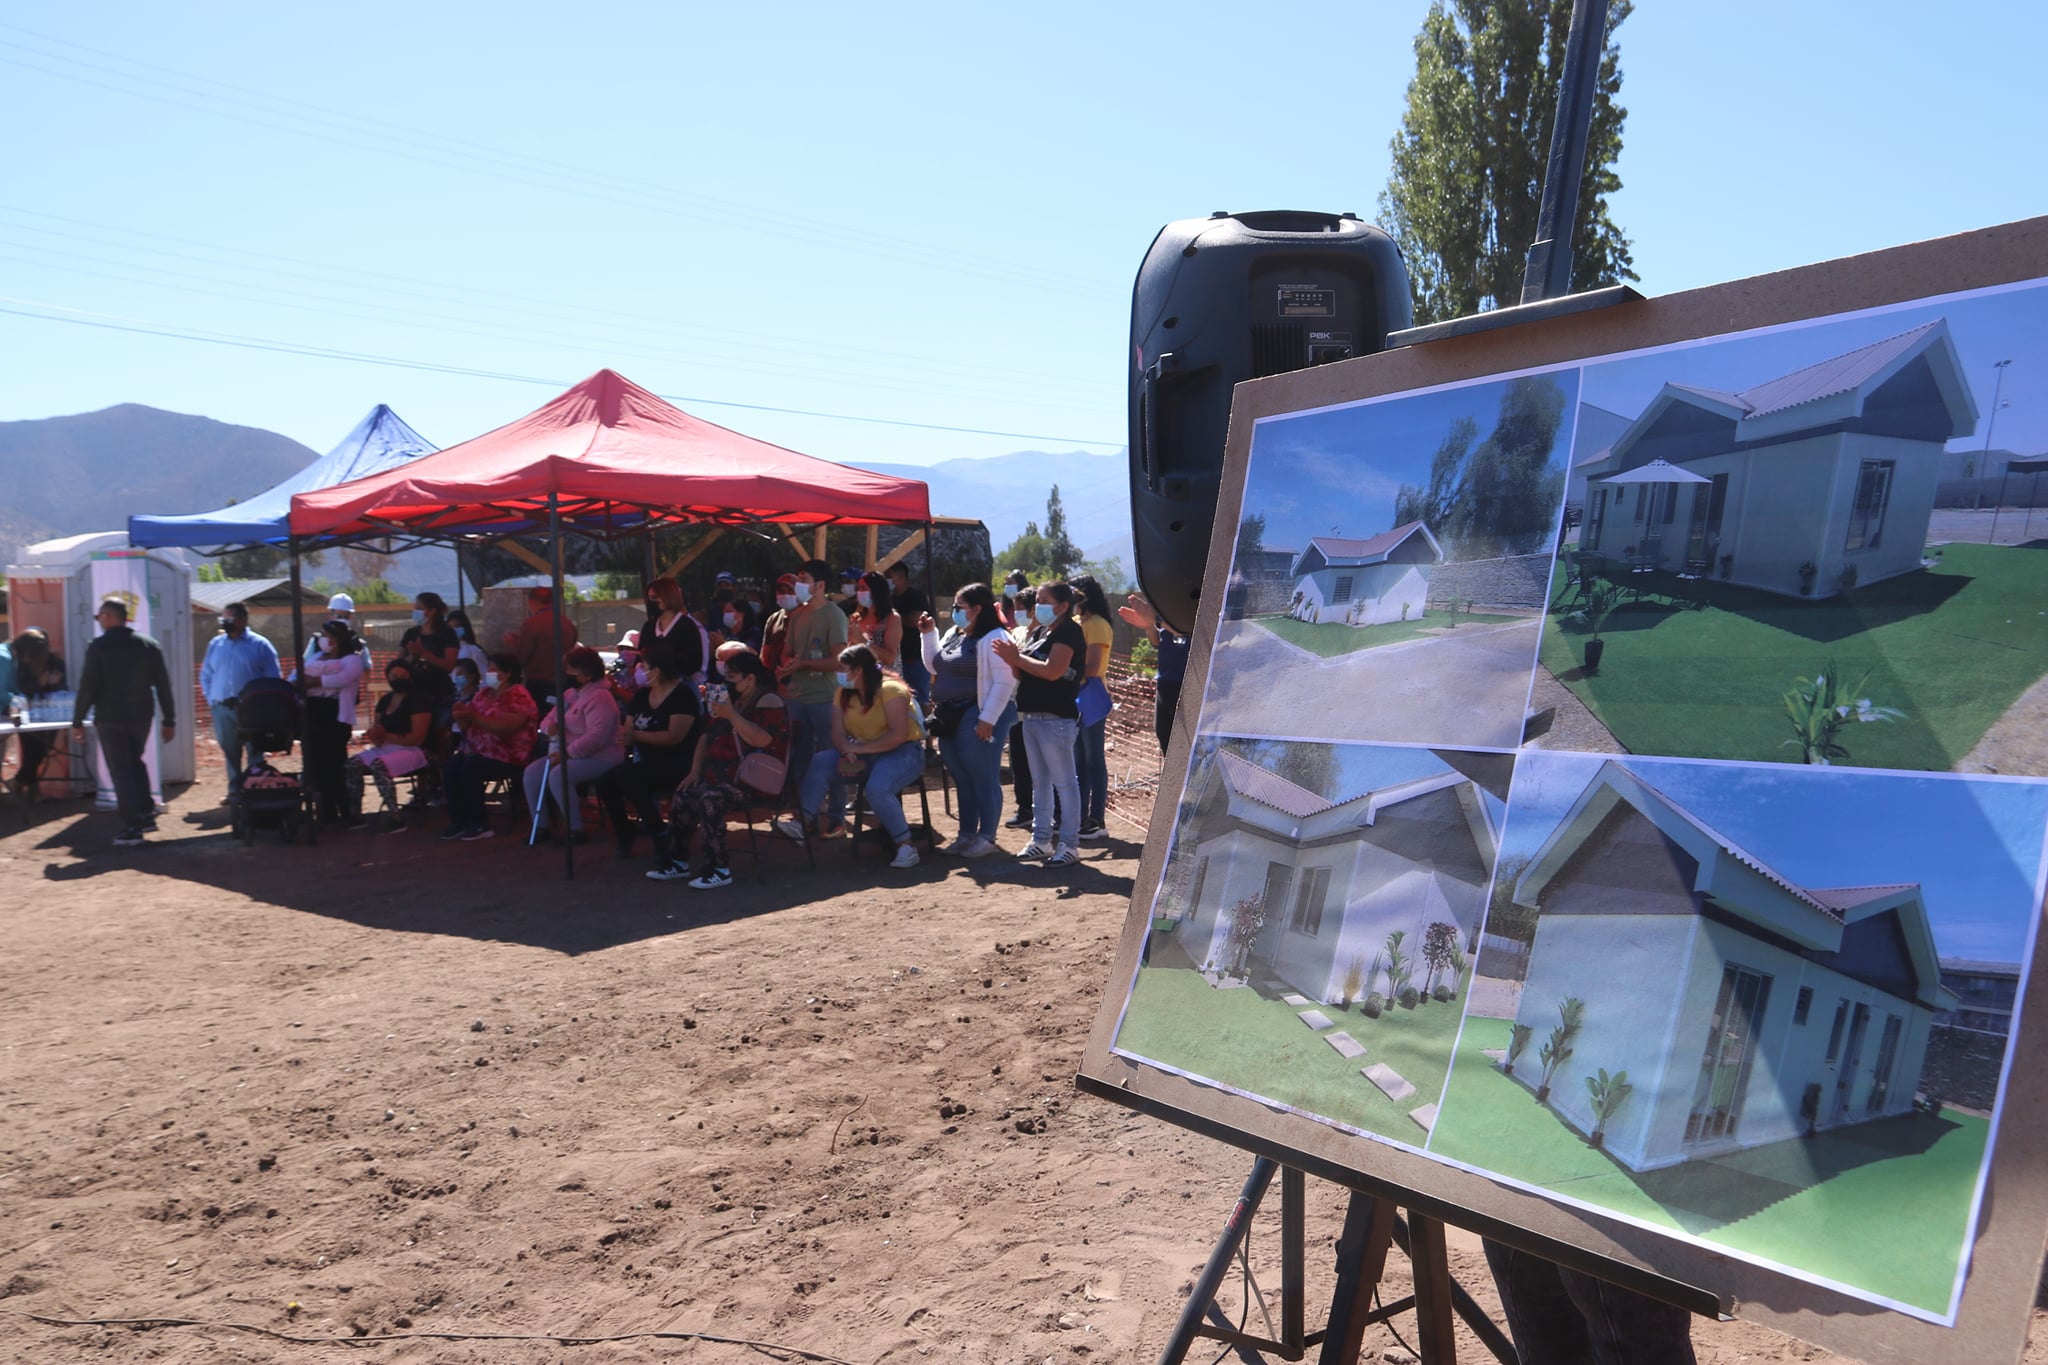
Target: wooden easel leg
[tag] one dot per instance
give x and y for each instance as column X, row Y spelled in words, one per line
column 1293, row 1254
column 1430, row 1260
column 1361, row 1261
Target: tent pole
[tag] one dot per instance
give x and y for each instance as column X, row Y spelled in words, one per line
column 1996, row 505
column 298, row 614
column 461, row 601
column 561, row 689
column 647, row 564
column 931, row 587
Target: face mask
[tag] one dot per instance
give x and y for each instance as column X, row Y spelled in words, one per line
column 803, row 592
column 1044, row 614
column 845, row 678
column 329, row 645
column 1010, row 591
column 732, row 620
column 419, row 617
column 960, row 617
column 653, row 606
column 462, row 632
column 786, row 601
column 866, row 599
column 227, row 624
column 640, row 675
column 400, row 682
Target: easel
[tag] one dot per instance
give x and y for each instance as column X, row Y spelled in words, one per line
column 1371, row 1226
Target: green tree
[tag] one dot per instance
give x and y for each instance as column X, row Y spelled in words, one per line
column 1062, row 556
column 1026, row 552
column 1251, row 536
column 1482, row 496
column 1468, row 163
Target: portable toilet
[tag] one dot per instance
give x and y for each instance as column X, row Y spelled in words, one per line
column 57, row 586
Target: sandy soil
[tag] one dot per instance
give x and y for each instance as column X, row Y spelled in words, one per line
column 389, row 1087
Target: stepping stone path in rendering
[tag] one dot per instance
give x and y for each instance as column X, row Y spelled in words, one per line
column 1388, row 1080
column 1346, row 1045
column 1296, row 1000
column 1316, row 1020
column 1425, row 1115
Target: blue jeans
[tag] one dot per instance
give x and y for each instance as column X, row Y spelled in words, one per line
column 915, row 673
column 1049, row 742
column 228, row 731
column 810, row 729
column 977, row 768
column 1091, row 762
column 888, row 774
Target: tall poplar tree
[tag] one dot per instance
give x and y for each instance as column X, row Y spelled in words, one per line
column 1467, row 177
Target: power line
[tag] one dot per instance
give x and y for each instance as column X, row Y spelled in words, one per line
column 414, row 144
column 106, row 322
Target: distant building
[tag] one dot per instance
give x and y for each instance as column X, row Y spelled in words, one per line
column 1986, row 994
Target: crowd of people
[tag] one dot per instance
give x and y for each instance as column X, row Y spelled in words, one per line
column 705, row 712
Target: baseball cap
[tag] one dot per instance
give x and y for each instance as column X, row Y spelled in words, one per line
column 847, row 575
column 725, row 576
column 787, row 581
column 341, row 601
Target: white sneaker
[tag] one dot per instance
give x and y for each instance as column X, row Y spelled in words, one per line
column 712, row 879
column 980, row 848
column 1034, row 849
column 906, row 856
column 1066, row 857
column 789, row 828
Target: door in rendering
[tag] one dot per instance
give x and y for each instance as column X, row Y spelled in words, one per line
column 1887, row 1053
column 1852, row 1057
column 1725, row 1065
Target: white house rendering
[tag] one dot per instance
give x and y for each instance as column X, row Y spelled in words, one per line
column 1336, row 876
column 1745, row 1009
column 1365, row 582
column 1811, row 483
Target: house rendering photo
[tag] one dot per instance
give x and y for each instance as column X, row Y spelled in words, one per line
column 1728, row 1018
column 1423, row 530
column 1766, row 528
column 1314, row 935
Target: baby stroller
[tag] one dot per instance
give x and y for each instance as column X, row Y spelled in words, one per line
column 269, row 715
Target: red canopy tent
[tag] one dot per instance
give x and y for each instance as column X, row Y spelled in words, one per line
column 607, row 459
column 604, row 458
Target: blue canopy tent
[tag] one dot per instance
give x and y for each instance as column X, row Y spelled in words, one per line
column 380, row 442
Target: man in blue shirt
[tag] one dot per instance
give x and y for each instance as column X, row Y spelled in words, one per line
column 234, row 658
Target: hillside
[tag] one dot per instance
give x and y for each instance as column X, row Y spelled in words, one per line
column 90, row 471
column 1005, row 491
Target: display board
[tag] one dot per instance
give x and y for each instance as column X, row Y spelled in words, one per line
column 1610, row 804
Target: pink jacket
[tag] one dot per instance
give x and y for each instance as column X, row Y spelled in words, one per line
column 593, row 723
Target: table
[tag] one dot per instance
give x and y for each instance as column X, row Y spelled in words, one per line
column 26, row 793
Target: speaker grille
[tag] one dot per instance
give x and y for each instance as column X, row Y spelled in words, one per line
column 1278, row 347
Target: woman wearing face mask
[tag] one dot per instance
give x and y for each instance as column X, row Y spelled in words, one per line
column 1015, row 585
column 749, row 717
column 875, row 623
column 1091, row 745
column 333, row 676
column 1048, row 667
column 497, row 739
column 775, row 632
column 582, row 736
column 660, row 725
column 1023, row 600
column 431, row 647
column 876, row 731
column 458, row 621
column 668, row 618
column 396, row 745
column 972, row 692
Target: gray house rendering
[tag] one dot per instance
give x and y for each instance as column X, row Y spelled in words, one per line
column 1744, row 1008
column 1365, row 582
column 1335, row 877
column 1806, row 484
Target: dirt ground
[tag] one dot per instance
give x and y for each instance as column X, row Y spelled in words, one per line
column 416, row 1094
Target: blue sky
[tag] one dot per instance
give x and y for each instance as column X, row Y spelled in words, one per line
column 2009, row 324
column 1974, row 845
column 918, row 214
column 1337, row 472
column 1361, row 768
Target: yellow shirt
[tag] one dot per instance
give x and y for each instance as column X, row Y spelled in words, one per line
column 867, row 723
column 1098, row 631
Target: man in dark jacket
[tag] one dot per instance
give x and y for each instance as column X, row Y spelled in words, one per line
column 122, row 671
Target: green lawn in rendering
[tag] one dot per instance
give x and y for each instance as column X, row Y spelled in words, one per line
column 1951, row 646
column 1328, row 639
column 1261, row 1046
column 1881, row 1206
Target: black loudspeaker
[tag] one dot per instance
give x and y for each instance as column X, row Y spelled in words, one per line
column 1222, row 299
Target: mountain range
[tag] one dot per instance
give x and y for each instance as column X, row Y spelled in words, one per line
column 89, row 472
